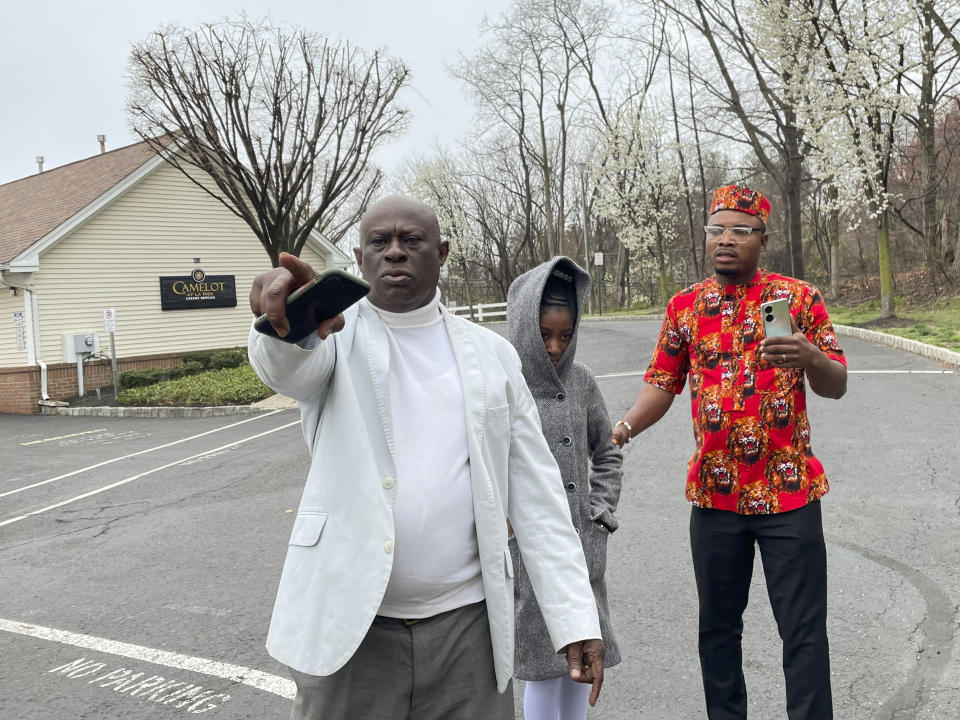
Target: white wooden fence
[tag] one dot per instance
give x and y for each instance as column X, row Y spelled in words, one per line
column 482, row 311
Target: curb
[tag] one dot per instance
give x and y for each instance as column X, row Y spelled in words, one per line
column 158, row 412
column 933, row 352
column 591, row 318
column 615, row 318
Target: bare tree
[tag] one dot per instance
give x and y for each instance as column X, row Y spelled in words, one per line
column 480, row 192
column 937, row 85
column 283, row 121
column 751, row 89
column 535, row 75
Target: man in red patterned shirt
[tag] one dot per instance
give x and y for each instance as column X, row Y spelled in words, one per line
column 753, row 480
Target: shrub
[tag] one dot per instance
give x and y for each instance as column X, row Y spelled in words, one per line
column 130, row 379
column 227, row 359
column 228, row 386
column 142, row 378
column 197, row 357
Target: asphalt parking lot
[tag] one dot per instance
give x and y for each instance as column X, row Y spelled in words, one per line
column 139, row 557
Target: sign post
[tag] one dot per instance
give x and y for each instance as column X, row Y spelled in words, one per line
column 110, row 326
column 598, row 261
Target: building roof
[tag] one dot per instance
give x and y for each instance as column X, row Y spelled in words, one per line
column 34, row 206
column 49, row 205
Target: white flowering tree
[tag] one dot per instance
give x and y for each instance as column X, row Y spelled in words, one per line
column 639, row 187
column 849, row 92
column 436, row 181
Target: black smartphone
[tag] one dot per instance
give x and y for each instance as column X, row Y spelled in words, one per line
column 326, row 296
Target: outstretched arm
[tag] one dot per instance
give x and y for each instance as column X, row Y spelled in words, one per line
column 651, row 404
column 605, row 462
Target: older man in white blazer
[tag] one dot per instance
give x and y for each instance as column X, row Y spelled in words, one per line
column 396, row 597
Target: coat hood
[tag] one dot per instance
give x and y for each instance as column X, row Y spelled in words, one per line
column 523, row 321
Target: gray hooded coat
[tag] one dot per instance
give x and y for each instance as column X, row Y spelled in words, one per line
column 577, row 428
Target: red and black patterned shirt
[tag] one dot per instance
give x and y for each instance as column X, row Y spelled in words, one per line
column 750, row 422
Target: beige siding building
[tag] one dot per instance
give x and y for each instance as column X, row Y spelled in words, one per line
column 100, row 234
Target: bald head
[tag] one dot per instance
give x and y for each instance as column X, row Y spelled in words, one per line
column 396, row 206
column 400, row 253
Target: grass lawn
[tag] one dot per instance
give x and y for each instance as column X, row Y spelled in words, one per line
column 938, row 324
column 635, row 309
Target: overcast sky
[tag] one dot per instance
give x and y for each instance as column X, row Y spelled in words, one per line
column 63, row 65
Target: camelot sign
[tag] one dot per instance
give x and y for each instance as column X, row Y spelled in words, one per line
column 198, row 290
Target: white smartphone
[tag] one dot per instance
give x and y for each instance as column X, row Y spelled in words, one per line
column 776, row 318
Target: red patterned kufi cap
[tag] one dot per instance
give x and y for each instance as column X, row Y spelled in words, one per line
column 737, row 197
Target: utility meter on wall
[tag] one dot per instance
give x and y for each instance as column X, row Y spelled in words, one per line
column 80, row 344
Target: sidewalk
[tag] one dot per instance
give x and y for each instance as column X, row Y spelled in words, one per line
column 274, row 402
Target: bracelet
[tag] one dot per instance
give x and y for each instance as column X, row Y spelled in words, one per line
column 627, row 426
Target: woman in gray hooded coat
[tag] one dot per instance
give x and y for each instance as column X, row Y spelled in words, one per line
column 543, row 311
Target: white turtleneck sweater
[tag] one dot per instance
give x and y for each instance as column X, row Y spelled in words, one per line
column 436, row 565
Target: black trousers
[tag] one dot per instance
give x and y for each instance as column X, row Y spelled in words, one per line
column 795, row 567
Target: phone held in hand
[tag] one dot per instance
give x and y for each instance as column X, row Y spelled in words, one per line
column 326, row 296
column 776, row 318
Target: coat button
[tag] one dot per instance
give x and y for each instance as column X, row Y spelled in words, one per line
column 566, row 440
column 388, row 546
column 571, row 487
column 560, row 397
column 389, row 482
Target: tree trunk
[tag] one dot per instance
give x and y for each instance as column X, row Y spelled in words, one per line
column 663, row 281
column 794, row 193
column 887, row 309
column 623, row 275
column 834, row 230
column 945, row 249
column 683, row 173
column 466, row 285
column 956, row 252
column 926, row 114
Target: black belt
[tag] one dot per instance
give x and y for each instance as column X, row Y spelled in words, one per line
column 410, row 622
column 406, row 622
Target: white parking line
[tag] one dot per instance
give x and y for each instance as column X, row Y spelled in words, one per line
column 257, row 679
column 849, row 372
column 900, row 372
column 131, row 455
column 63, row 437
column 143, row 474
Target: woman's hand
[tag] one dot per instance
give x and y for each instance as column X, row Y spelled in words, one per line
column 619, row 436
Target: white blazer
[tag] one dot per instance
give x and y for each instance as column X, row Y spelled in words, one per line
column 340, row 554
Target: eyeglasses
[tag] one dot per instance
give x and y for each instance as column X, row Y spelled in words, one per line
column 740, row 233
